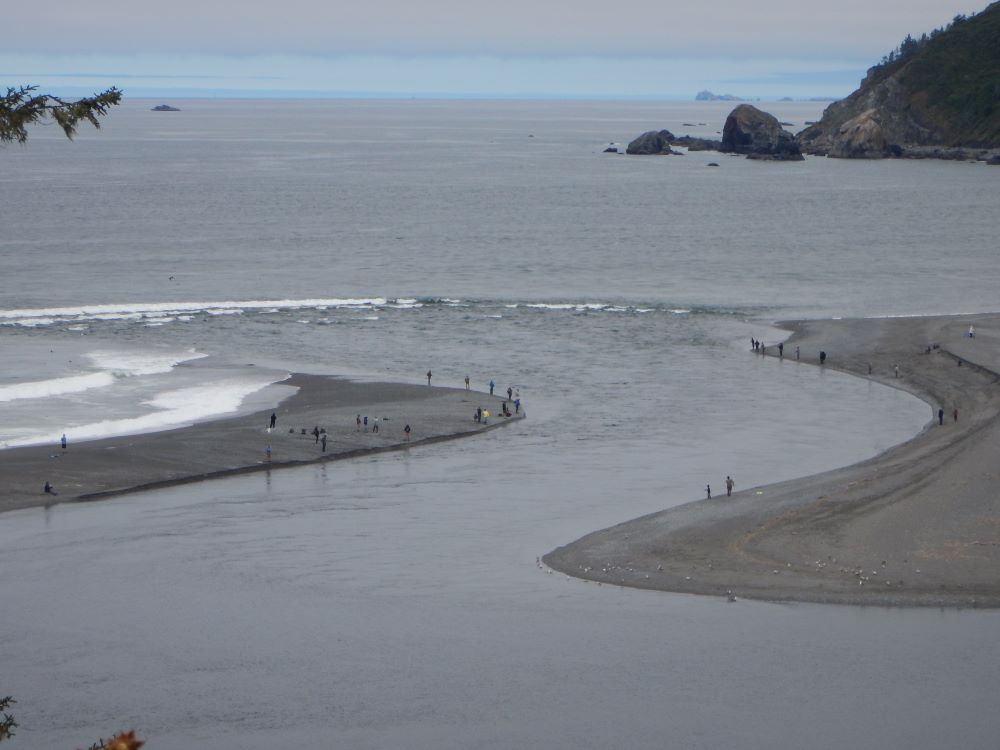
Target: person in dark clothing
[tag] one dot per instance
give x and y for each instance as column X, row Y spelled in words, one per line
column 316, row 434
column 822, row 358
column 323, row 443
column 940, row 416
column 708, row 490
column 50, row 490
column 406, row 431
column 781, row 350
column 510, row 393
column 274, row 419
column 428, row 377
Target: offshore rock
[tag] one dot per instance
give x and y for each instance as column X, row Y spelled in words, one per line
column 697, row 144
column 758, row 135
column 652, row 142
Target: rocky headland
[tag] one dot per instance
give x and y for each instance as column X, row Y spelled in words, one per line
column 935, row 97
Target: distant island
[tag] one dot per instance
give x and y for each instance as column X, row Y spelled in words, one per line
column 933, row 97
column 165, row 108
column 708, row 96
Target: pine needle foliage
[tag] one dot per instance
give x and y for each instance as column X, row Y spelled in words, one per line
column 23, row 106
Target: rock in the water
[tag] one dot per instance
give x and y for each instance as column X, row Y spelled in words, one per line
column 759, row 135
column 697, row 144
column 713, row 164
column 652, row 142
column 165, row 108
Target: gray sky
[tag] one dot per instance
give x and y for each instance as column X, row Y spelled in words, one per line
column 648, row 48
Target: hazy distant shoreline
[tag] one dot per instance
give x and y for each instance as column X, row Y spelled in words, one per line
column 917, row 525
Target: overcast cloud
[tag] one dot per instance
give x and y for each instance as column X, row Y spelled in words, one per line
column 521, row 35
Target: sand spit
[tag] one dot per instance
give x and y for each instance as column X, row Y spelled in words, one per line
column 918, row 525
column 112, row 466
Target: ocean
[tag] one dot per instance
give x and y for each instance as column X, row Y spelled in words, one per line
column 396, row 601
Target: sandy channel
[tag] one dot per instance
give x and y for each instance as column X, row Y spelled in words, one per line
column 112, row 466
column 918, row 525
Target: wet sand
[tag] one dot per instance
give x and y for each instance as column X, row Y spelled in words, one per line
column 918, row 525
column 112, row 466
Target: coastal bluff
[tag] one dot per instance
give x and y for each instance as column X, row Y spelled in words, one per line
column 936, row 97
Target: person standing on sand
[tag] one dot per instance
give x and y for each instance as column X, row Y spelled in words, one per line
column 781, row 349
column 358, row 423
column 954, row 414
column 428, row 377
column 510, row 393
column 895, row 369
column 62, row 441
column 366, row 423
column 796, row 352
column 466, row 382
column 323, row 442
column 316, row 434
column 729, row 486
column 406, row 431
column 708, row 489
column 274, row 419
column 267, row 452
column 940, row 416
column 492, row 386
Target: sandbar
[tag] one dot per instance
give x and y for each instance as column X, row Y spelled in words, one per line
column 112, row 466
column 918, row 525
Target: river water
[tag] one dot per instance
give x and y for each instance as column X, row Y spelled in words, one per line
column 396, row 601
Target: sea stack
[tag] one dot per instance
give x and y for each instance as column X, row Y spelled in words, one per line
column 758, row 135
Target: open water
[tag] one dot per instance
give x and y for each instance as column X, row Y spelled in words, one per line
column 395, row 601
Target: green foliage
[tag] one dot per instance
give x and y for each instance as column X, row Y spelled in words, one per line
column 952, row 77
column 7, row 723
column 22, row 107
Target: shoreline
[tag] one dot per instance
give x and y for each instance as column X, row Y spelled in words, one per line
column 230, row 446
column 917, row 525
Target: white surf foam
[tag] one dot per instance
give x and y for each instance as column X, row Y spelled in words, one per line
column 171, row 409
column 139, row 310
column 125, row 363
column 110, row 364
column 56, row 386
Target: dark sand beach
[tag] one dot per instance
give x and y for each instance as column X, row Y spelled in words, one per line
column 918, row 525
column 101, row 468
